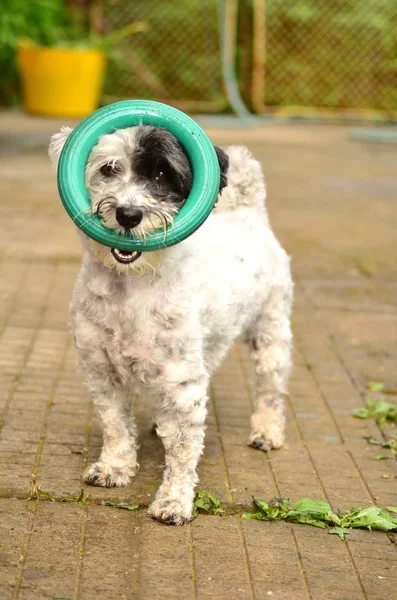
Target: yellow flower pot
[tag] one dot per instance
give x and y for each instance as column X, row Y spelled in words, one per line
column 60, row 82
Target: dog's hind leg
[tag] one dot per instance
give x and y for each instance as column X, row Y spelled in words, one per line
column 117, row 463
column 270, row 341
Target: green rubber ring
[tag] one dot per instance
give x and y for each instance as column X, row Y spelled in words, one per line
column 198, row 148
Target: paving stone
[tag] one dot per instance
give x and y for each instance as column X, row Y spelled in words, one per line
column 15, row 518
column 377, row 588
column 362, row 550
column 215, row 576
column 52, row 559
column 325, row 562
column 166, row 568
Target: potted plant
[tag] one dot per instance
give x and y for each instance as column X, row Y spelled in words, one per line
column 61, row 60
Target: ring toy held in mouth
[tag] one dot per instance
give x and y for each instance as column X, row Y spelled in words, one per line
column 198, row 148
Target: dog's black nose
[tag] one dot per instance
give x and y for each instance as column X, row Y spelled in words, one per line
column 128, row 216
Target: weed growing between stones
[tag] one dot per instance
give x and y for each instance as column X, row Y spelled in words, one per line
column 319, row 513
column 376, row 407
column 36, row 493
column 123, row 505
column 205, row 502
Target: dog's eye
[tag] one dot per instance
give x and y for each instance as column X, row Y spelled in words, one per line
column 160, row 177
column 109, row 170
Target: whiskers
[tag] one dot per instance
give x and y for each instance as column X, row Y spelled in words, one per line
column 156, row 216
column 105, row 204
column 105, row 208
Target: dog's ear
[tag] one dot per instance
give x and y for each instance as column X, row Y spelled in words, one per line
column 57, row 143
column 223, row 161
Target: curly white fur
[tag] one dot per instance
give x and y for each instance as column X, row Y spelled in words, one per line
column 165, row 333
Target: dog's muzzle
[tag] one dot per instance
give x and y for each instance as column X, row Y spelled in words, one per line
column 124, row 257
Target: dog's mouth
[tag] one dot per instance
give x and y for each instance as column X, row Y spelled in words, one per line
column 124, row 257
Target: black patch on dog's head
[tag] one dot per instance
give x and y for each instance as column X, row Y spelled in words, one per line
column 223, row 161
column 159, row 161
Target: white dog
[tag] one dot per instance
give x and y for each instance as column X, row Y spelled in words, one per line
column 159, row 323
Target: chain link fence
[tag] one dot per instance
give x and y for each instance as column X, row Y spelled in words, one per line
column 177, row 58
column 337, row 54
column 331, row 53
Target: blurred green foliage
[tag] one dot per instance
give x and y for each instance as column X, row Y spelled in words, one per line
column 48, row 23
column 38, row 20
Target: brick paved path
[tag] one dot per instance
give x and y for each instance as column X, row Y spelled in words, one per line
column 333, row 205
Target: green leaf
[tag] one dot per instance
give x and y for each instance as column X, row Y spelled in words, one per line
column 306, row 520
column 105, row 42
column 369, row 401
column 313, row 512
column 381, row 457
column 276, row 510
column 257, row 516
column 386, row 476
column 261, row 505
column 373, row 441
column 203, row 503
column 376, row 386
column 39, row 493
column 379, row 410
column 283, row 503
column 318, row 513
column 340, row 531
column 392, row 508
column 207, row 502
column 373, row 518
column 392, row 444
column 306, row 506
column 361, row 413
column 386, row 409
column 120, row 505
column 78, row 499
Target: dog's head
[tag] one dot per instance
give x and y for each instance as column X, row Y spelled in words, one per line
column 137, row 178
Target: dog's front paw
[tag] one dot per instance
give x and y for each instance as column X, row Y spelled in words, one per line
column 171, row 511
column 106, row 475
